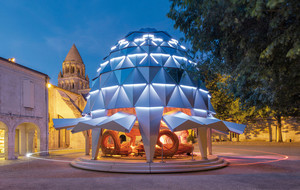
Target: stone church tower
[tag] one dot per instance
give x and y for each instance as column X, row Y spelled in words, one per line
column 73, row 76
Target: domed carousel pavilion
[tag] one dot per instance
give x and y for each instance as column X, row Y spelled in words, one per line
column 144, row 106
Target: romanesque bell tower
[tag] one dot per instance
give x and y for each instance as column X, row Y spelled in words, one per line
column 73, row 76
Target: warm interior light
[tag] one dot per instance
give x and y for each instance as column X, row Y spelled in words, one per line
column 2, row 135
column 12, row 59
column 162, row 140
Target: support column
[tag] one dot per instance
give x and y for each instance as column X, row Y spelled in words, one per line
column 87, row 142
column 202, row 141
column 22, row 140
column 149, row 121
column 209, row 142
column 96, row 140
column 11, row 146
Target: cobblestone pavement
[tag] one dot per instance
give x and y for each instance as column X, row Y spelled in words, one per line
column 252, row 166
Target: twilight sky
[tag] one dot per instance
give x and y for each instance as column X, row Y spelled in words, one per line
column 40, row 33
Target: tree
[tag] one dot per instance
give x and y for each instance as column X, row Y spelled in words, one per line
column 255, row 42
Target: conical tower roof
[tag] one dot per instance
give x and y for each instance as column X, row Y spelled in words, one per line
column 73, row 55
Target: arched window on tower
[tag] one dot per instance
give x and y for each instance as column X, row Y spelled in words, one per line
column 78, row 71
column 67, row 69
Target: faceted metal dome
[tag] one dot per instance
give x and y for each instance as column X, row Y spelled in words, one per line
column 147, row 69
column 146, row 73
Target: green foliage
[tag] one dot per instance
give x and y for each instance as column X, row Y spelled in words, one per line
column 255, row 42
column 191, row 138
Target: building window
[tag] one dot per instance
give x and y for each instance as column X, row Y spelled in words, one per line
column 28, row 94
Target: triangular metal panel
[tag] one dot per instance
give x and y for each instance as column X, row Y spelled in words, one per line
column 89, row 124
column 106, row 68
column 132, row 44
column 113, row 100
column 144, row 99
column 108, row 94
column 99, row 103
column 169, row 92
column 129, row 93
column 141, row 59
column 120, row 121
column 199, row 112
column 125, row 73
column 186, row 80
column 96, row 85
column 132, row 59
column 160, row 90
column 65, row 123
column 185, row 100
column 135, row 77
column 154, row 98
column 199, row 102
column 153, row 73
column 155, row 49
column 116, row 63
column 103, row 77
column 171, row 62
column 145, row 71
column 134, row 50
column 189, row 93
column 137, row 91
column 123, row 101
column 180, row 121
column 180, row 53
column 93, row 97
column 145, row 48
column 165, row 44
column 126, row 122
column 163, row 77
column 235, row 127
column 126, row 64
column 112, row 80
column 155, row 60
column 169, row 50
column 175, row 73
column 175, row 100
column 173, row 122
column 118, row 74
column 145, row 62
column 164, row 58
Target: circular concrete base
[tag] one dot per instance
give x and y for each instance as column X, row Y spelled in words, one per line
column 140, row 166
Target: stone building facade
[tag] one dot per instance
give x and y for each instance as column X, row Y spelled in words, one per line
column 23, row 110
column 67, row 100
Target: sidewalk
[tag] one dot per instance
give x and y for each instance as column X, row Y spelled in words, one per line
column 257, row 143
column 21, row 159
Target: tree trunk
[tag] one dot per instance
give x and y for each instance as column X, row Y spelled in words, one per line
column 279, row 133
column 270, row 131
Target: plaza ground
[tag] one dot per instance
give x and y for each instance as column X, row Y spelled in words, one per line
column 253, row 165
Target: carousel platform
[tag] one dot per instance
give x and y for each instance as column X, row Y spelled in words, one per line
column 139, row 165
